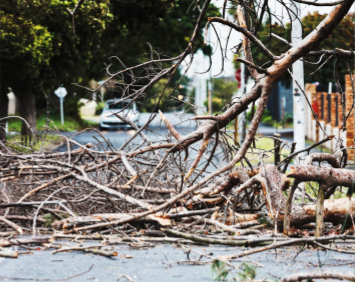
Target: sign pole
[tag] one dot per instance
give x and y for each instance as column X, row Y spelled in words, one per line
column 61, row 111
column 61, row 92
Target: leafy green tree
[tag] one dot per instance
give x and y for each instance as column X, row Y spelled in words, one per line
column 223, row 91
column 339, row 38
column 166, row 26
column 39, row 50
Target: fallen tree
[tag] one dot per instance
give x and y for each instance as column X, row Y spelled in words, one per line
column 164, row 187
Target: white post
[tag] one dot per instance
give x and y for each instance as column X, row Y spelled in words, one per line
column 243, row 116
column 298, row 73
column 61, row 110
column 210, row 80
column 297, row 68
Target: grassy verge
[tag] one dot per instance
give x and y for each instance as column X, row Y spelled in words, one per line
column 70, row 124
column 321, row 148
column 312, row 189
column 262, row 144
column 24, row 144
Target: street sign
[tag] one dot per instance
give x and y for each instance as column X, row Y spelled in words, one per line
column 61, row 92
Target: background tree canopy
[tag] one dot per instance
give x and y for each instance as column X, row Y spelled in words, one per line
column 39, row 51
column 339, row 38
column 223, row 91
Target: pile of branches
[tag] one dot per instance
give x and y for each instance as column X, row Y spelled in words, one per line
column 137, row 197
column 141, row 191
column 172, row 189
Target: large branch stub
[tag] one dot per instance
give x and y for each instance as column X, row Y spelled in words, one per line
column 299, row 215
column 326, row 177
column 330, row 158
column 323, row 175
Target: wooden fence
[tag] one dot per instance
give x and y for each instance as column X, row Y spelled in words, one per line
column 328, row 109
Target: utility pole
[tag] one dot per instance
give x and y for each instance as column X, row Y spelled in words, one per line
column 243, row 125
column 298, row 74
column 210, row 80
column 243, row 115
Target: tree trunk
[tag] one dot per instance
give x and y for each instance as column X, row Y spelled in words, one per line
column 4, row 106
column 27, row 102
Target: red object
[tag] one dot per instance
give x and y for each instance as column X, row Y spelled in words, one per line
column 238, row 75
column 315, row 107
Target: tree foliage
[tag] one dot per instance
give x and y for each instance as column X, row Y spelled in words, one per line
column 339, row 38
column 39, row 51
column 223, row 90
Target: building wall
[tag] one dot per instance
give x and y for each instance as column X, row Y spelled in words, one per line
column 332, row 122
column 280, row 93
column 310, row 92
column 350, row 122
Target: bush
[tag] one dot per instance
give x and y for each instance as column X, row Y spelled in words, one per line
column 266, row 118
column 99, row 107
column 288, row 118
column 222, row 94
column 217, row 104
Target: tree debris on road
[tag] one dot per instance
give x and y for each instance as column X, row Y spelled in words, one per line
column 174, row 191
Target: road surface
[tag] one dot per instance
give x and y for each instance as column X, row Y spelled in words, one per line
column 160, row 264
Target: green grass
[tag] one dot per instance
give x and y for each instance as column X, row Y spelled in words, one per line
column 262, row 144
column 16, row 142
column 321, row 148
column 314, row 191
column 70, row 124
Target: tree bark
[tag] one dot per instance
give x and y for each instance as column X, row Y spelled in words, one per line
column 274, row 183
column 4, row 106
column 323, row 175
column 27, row 102
column 319, row 213
column 26, row 241
column 288, row 208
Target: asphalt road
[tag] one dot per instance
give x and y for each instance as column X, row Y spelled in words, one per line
column 156, row 131
column 118, row 137
column 160, row 264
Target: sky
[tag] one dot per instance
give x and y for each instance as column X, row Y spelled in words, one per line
column 201, row 62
